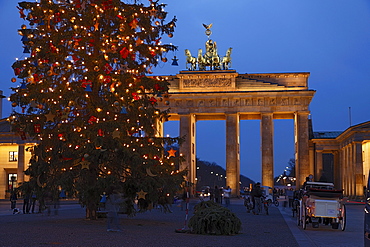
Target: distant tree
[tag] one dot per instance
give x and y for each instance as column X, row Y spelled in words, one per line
column 291, row 170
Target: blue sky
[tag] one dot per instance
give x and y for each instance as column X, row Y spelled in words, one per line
column 328, row 38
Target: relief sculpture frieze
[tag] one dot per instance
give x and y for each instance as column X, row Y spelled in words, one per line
column 239, row 102
column 206, row 82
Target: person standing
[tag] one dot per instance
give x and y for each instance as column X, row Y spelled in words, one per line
column 217, row 194
column 256, row 197
column 227, row 195
column 13, row 200
column 290, row 195
column 33, row 201
column 112, row 206
column 26, row 203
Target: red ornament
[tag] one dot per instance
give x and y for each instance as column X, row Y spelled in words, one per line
column 124, row 52
column 136, row 96
column 108, row 68
column 37, row 128
column 100, row 132
column 57, row 17
column 108, row 4
column 133, row 23
column 17, row 71
column 107, row 79
column 65, row 158
column 92, row 120
column 153, row 100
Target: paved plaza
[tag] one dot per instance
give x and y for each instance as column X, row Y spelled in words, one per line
column 155, row 228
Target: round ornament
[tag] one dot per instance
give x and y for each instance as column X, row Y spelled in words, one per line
column 13, row 79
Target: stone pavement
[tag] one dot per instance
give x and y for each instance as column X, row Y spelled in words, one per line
column 155, row 228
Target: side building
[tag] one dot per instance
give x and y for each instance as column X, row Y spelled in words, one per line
column 343, row 158
column 14, row 159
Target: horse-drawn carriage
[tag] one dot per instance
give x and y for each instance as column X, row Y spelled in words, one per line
column 321, row 203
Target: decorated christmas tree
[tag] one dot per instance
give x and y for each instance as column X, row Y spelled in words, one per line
column 85, row 100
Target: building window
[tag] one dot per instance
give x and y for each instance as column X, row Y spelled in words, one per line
column 13, row 156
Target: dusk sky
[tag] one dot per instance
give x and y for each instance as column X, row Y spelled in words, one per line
column 328, row 38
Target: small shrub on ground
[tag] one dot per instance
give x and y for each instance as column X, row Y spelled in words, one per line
column 212, row 218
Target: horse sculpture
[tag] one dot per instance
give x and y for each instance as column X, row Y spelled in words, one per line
column 190, row 60
column 226, row 60
column 210, row 57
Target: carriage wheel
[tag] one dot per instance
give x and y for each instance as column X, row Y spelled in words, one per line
column 342, row 220
column 298, row 212
column 304, row 219
column 276, row 203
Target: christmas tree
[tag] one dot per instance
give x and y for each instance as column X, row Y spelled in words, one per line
column 86, row 101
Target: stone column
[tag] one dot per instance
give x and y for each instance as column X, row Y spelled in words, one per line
column 233, row 153
column 301, row 147
column 267, row 149
column 159, row 128
column 21, row 163
column 346, row 170
column 352, row 168
column 358, row 170
column 187, row 149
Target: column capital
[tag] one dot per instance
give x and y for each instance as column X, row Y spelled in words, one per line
column 302, row 112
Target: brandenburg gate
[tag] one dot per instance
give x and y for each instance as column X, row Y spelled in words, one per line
column 223, row 94
column 227, row 95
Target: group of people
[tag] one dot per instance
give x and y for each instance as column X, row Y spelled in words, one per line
column 219, row 194
column 31, row 199
column 256, row 195
column 29, row 202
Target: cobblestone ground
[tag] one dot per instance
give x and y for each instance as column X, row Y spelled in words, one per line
column 155, row 228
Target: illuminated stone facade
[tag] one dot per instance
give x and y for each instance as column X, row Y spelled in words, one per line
column 344, row 157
